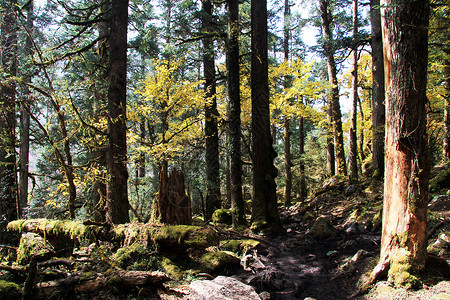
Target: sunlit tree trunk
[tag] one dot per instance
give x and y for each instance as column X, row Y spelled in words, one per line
column 341, row 166
column 233, row 85
column 211, row 115
column 117, row 201
column 301, row 151
column 264, row 204
column 403, row 243
column 287, row 126
column 378, row 107
column 331, row 161
column 353, row 155
column 447, row 112
column 8, row 181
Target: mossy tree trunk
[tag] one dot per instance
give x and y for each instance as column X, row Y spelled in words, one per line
column 8, row 186
column 233, row 85
column 264, row 205
column 447, row 112
column 378, row 107
column 211, row 115
column 403, row 244
column 301, row 151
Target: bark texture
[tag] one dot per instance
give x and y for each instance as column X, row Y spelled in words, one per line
column 117, row 205
column 211, row 115
column 264, row 204
column 8, row 185
column 378, row 107
column 403, row 244
column 447, row 112
column 233, row 84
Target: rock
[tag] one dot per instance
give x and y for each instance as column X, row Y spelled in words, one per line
column 351, row 189
column 322, row 227
column 218, row 261
column 222, row 288
column 440, row 245
column 353, row 228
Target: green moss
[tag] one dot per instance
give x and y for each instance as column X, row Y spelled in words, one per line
column 222, row 216
column 171, row 268
column 87, row 275
column 135, row 257
column 218, row 261
column 402, row 270
column 258, row 226
column 239, row 246
column 30, row 244
column 184, row 235
column 9, row 290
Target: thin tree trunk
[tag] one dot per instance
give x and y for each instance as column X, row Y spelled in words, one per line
column 405, row 40
column 211, row 114
column 117, row 200
column 264, row 204
column 353, row 156
column 301, row 151
column 287, row 129
column 233, row 84
column 446, row 145
column 341, row 166
column 378, row 113
column 8, row 187
column 331, row 161
column 25, row 120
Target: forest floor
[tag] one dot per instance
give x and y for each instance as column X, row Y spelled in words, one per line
column 332, row 243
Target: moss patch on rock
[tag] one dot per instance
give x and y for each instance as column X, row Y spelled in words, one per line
column 136, row 257
column 219, row 261
column 239, row 246
column 31, row 244
column 222, row 216
column 182, row 237
column 9, row 290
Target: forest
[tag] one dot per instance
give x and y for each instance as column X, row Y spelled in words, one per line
column 224, row 149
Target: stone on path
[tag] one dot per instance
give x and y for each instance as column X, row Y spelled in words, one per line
column 222, row 288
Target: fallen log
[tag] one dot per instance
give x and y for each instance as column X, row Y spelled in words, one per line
column 91, row 282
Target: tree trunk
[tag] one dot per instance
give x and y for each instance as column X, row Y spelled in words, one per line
column 287, row 129
column 341, row 167
column 173, row 206
column 117, row 200
column 331, row 161
column 233, row 84
column 301, row 151
column 353, row 156
column 211, row 115
column 403, row 243
column 8, row 186
column 264, row 205
column 446, row 145
column 378, row 113
column 25, row 119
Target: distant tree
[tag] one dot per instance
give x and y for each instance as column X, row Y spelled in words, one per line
column 117, row 205
column 8, row 66
column 378, row 108
column 335, row 109
column 405, row 39
column 264, row 204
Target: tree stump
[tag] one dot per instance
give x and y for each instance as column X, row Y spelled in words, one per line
column 173, row 205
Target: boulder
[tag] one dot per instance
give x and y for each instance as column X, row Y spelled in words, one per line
column 222, row 288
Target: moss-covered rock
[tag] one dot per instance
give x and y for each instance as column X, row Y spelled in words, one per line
column 171, row 268
column 322, row 228
column 31, row 244
column 136, row 257
column 222, row 216
column 239, row 246
column 219, row 261
column 181, row 237
column 9, row 290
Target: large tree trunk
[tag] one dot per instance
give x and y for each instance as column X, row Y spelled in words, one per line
column 8, row 186
column 403, row 243
column 233, row 85
column 264, row 205
column 378, row 108
column 331, row 161
column 341, row 166
column 25, row 119
column 117, row 205
column 211, row 114
column 353, row 156
column 173, row 205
